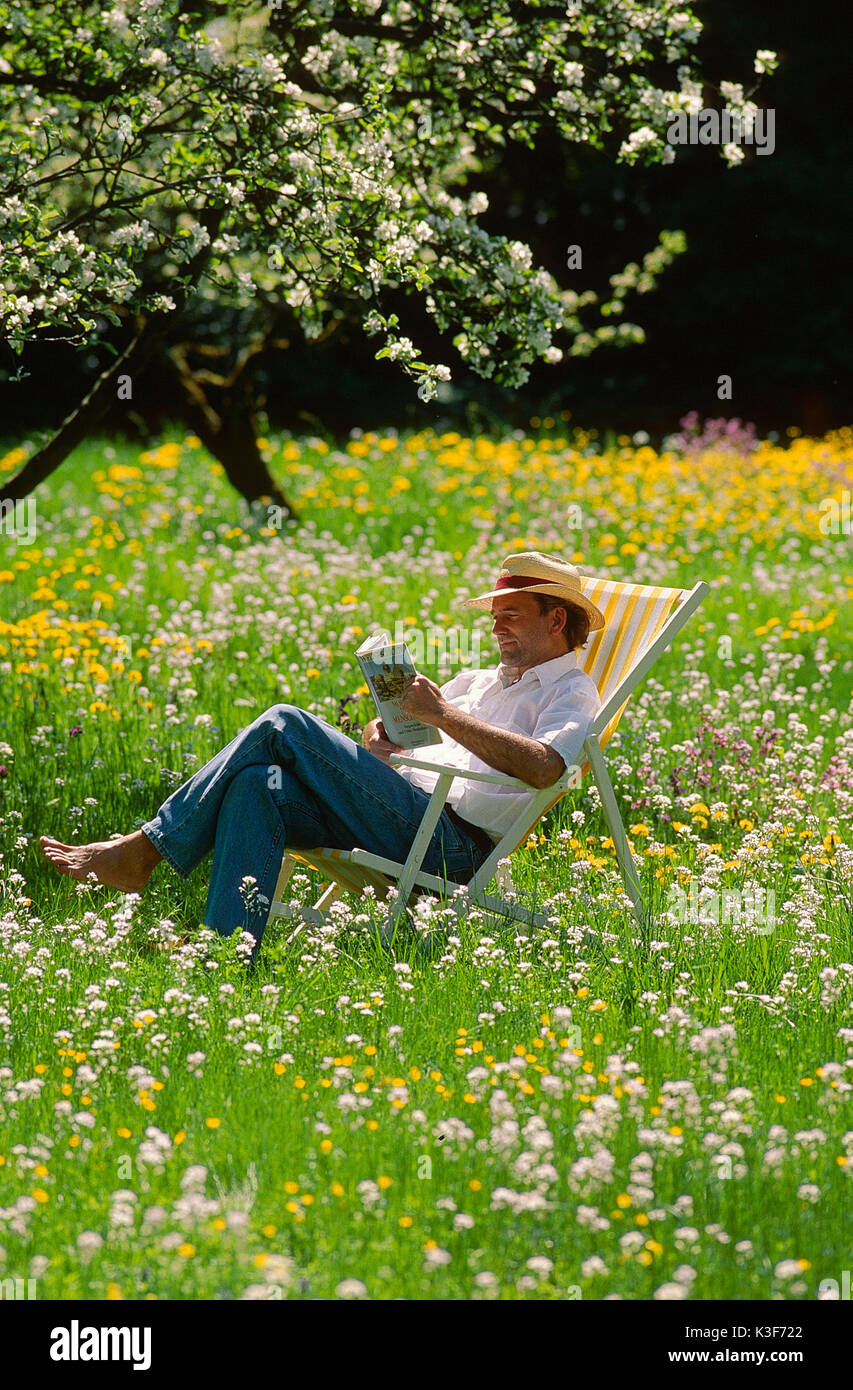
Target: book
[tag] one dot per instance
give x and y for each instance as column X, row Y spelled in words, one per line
column 389, row 670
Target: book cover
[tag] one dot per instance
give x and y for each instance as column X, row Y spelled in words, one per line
column 389, row 670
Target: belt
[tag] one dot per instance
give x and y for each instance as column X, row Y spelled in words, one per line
column 482, row 839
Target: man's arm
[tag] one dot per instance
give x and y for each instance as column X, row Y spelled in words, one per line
column 506, row 751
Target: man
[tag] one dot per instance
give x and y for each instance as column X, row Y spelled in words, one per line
column 291, row 779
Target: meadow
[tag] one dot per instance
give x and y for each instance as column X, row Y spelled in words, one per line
column 585, row 1111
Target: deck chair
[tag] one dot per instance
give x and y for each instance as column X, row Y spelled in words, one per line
column 640, row 622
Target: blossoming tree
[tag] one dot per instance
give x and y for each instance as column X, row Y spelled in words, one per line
column 308, row 158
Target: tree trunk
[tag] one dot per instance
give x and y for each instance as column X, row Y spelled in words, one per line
column 229, row 429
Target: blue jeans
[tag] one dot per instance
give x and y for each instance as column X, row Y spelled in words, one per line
column 291, row 780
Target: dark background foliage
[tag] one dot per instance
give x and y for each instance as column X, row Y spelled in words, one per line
column 760, row 295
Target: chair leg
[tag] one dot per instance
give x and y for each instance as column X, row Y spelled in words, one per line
column 316, row 915
column 417, row 853
column 288, row 864
column 617, row 830
column 330, row 895
column 512, row 911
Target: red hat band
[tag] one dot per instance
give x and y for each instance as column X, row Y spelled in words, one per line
column 514, row 581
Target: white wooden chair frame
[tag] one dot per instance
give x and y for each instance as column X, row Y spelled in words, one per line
column 410, row 878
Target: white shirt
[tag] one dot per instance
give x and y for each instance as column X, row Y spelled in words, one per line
column 553, row 702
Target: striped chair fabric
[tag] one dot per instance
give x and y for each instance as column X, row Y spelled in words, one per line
column 634, row 615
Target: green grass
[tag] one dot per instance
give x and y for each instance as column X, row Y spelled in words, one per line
column 632, row 1112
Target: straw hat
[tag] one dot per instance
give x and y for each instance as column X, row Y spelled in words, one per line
column 540, row 574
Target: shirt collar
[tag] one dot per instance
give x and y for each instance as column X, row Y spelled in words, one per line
column 545, row 672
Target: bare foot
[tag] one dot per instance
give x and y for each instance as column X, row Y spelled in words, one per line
column 126, row 864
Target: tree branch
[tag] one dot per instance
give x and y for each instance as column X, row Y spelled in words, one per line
column 75, row 428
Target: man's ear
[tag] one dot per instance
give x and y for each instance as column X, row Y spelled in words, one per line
column 565, row 622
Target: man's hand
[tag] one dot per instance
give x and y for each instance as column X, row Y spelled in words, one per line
column 424, row 701
column 375, row 739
